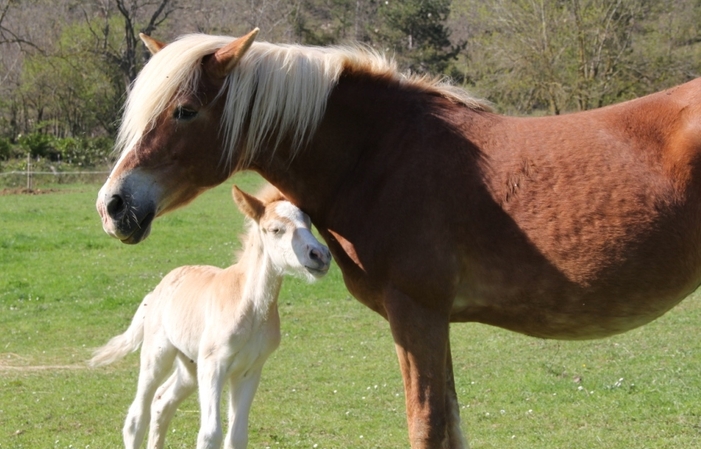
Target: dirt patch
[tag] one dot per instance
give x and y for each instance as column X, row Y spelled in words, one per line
column 11, row 362
column 33, row 368
column 25, row 191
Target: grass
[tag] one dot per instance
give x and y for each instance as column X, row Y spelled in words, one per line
column 66, row 288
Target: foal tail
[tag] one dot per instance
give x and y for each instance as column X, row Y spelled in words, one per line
column 121, row 345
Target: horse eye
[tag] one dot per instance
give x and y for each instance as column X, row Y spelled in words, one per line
column 184, row 113
column 275, row 230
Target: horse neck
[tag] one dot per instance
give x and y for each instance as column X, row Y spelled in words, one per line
column 361, row 111
column 261, row 282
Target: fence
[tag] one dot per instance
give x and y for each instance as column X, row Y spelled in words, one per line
column 34, row 179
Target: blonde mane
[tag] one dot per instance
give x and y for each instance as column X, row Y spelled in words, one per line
column 276, row 91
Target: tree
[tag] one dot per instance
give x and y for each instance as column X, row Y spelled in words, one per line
column 71, row 88
column 8, row 35
column 416, row 31
column 558, row 54
column 137, row 16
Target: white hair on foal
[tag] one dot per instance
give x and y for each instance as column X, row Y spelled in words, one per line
column 273, row 91
column 216, row 325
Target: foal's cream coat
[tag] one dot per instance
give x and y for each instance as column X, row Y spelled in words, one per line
column 216, row 325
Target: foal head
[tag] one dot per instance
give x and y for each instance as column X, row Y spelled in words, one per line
column 285, row 233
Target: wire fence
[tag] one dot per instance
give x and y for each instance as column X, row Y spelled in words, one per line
column 30, row 180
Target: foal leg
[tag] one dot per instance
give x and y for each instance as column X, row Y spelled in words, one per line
column 421, row 340
column 156, row 361
column 179, row 386
column 241, row 392
column 211, row 374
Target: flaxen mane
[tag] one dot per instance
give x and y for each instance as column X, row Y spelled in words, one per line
column 275, row 91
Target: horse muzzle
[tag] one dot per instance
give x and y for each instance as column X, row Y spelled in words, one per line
column 318, row 261
column 126, row 212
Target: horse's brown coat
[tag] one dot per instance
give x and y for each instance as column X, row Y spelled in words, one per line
column 576, row 226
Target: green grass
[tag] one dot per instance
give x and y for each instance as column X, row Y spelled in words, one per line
column 66, row 288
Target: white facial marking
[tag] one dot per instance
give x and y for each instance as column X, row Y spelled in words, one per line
column 285, row 209
column 301, row 251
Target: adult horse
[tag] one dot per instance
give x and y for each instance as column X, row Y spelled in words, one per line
column 435, row 208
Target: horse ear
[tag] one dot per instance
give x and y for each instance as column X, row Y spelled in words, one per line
column 153, row 45
column 249, row 205
column 225, row 59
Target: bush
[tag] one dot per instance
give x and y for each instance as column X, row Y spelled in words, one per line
column 38, row 145
column 5, row 149
column 89, row 151
column 86, row 152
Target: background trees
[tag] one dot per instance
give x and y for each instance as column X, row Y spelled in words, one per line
column 65, row 66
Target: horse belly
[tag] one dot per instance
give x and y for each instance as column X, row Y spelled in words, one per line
column 580, row 241
column 569, row 314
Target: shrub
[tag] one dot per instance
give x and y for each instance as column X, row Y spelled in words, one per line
column 39, row 145
column 5, row 149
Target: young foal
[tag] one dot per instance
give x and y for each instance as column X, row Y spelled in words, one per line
column 215, row 325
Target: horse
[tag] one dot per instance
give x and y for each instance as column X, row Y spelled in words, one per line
column 436, row 208
column 216, row 325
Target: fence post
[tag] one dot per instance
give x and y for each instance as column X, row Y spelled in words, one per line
column 29, row 171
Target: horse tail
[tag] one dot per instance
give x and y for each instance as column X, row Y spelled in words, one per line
column 121, row 345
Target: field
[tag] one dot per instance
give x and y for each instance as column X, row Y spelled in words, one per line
column 66, row 288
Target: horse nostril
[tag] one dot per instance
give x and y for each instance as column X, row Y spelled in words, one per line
column 115, row 206
column 318, row 256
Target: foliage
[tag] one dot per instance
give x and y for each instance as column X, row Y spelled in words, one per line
column 87, row 151
column 73, row 88
column 416, row 33
column 6, row 149
column 324, row 23
column 66, row 66
column 559, row 56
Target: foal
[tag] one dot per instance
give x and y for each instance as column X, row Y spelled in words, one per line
column 215, row 325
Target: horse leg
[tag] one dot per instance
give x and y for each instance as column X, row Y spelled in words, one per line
column 421, row 341
column 455, row 436
column 179, row 386
column 211, row 374
column 156, row 361
column 241, row 393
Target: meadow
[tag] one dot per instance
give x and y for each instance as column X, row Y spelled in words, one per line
column 66, row 288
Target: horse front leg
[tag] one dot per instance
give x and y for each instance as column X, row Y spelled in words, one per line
column 421, row 336
column 241, row 393
column 211, row 375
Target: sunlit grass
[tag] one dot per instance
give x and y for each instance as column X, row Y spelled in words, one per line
column 65, row 288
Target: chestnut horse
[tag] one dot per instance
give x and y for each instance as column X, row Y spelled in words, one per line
column 436, row 209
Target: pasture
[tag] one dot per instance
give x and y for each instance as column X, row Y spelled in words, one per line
column 66, row 288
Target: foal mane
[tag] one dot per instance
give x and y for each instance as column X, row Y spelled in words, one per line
column 276, row 90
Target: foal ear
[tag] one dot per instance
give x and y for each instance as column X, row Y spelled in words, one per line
column 153, row 45
column 249, row 205
column 225, row 59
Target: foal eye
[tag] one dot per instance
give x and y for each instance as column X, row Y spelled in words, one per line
column 184, row 113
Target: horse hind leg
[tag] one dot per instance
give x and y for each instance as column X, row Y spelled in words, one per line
column 156, row 361
column 181, row 384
